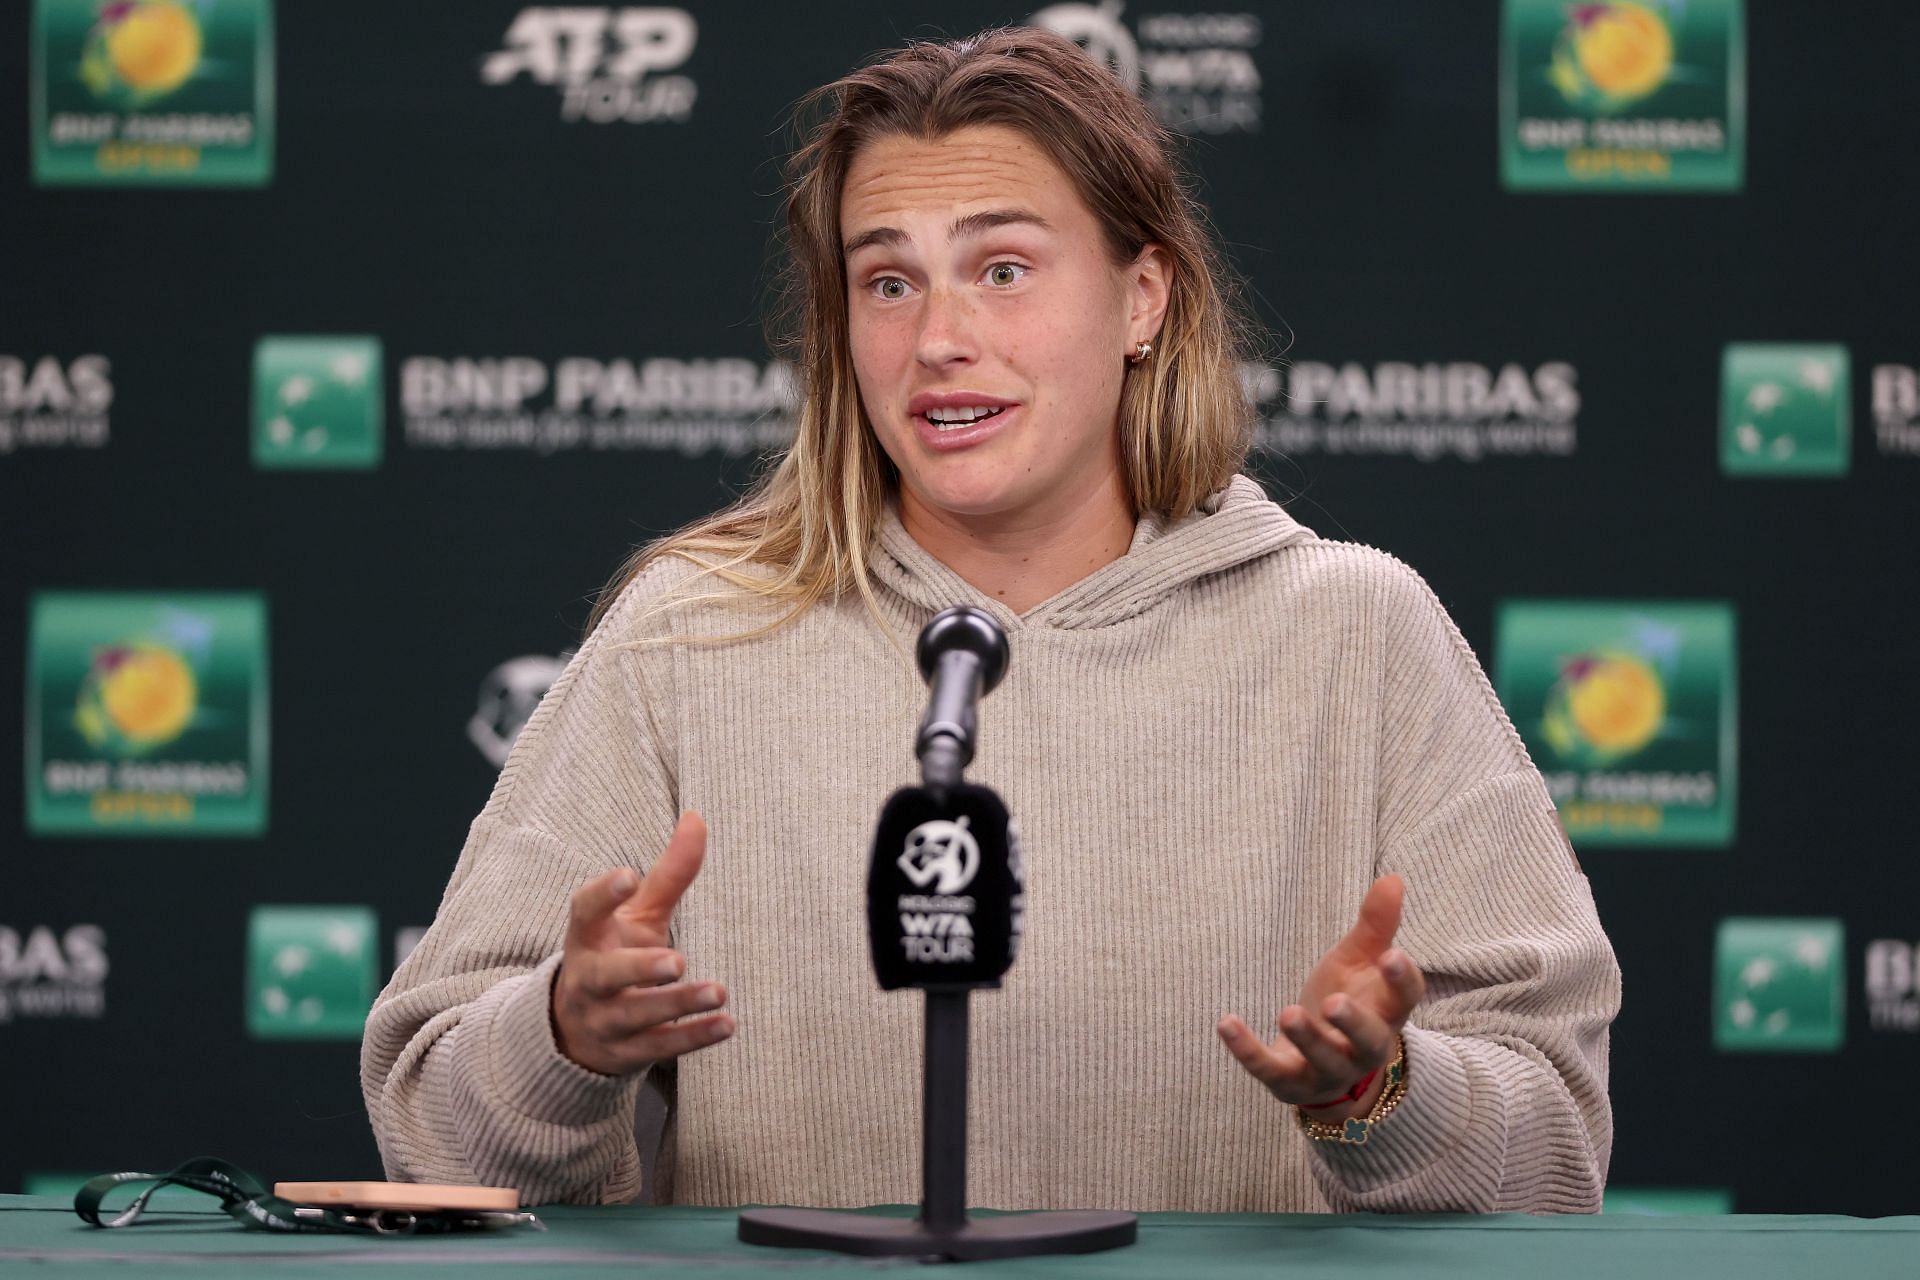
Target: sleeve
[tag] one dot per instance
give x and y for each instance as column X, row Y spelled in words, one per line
column 1506, row 1107
column 462, row 1078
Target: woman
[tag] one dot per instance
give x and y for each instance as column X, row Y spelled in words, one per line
column 1233, row 748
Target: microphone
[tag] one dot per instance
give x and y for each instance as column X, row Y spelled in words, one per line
column 946, row 890
column 946, row 885
column 963, row 654
column 946, row 902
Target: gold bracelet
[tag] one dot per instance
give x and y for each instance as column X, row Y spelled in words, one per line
column 1354, row 1130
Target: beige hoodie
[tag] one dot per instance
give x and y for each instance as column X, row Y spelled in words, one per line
column 1213, row 746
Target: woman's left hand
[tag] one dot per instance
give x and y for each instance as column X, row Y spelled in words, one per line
column 1349, row 1017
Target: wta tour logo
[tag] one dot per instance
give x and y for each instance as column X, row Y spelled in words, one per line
column 942, row 856
column 311, row 972
column 152, row 92
column 146, row 714
column 1629, row 709
column 317, row 403
column 1646, row 95
column 1779, row 985
column 1784, row 409
column 1195, row 71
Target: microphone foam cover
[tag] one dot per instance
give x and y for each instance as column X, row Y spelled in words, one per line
column 946, row 891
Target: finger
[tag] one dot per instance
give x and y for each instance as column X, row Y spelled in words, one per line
column 1404, row 980
column 1279, row 1065
column 1370, row 1034
column 606, row 972
column 593, row 904
column 642, row 1007
column 1327, row 1051
column 675, row 1038
column 1379, row 919
column 670, row 875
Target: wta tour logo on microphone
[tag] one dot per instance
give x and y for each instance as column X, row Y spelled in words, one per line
column 946, row 890
column 941, row 856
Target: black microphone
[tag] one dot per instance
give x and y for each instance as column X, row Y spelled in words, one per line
column 946, row 886
column 946, row 890
column 962, row 654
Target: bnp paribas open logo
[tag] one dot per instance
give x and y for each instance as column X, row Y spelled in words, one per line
column 1629, row 710
column 152, row 92
column 318, row 402
column 146, row 714
column 1779, row 985
column 311, row 972
column 1628, row 95
column 1784, row 409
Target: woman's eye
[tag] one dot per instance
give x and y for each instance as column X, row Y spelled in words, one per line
column 1005, row 273
column 892, row 288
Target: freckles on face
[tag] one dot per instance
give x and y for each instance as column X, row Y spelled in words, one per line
column 986, row 317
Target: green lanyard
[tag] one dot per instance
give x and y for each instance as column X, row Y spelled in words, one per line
column 244, row 1198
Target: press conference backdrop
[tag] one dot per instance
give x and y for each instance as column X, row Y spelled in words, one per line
column 346, row 347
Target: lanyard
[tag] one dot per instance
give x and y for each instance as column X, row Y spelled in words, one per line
column 245, row 1199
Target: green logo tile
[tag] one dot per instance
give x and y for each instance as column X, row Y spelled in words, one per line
column 152, row 92
column 1663, row 1202
column 311, row 972
column 1633, row 95
column 146, row 714
column 1779, row 984
column 1628, row 708
column 317, row 402
column 1784, row 409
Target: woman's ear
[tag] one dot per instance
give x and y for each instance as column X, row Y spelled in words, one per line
column 1149, row 283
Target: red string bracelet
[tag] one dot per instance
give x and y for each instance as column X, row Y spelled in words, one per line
column 1354, row 1094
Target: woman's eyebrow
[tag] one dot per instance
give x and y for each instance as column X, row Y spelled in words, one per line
column 971, row 224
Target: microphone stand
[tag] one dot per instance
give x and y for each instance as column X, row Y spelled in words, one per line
column 943, row 1232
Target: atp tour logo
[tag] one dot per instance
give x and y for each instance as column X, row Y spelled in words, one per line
column 53, row 975
column 1195, row 70
column 730, row 405
column 50, row 403
column 610, row 65
column 943, row 849
column 508, row 697
column 1459, row 409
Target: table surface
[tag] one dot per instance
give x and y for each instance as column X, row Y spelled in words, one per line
column 678, row 1240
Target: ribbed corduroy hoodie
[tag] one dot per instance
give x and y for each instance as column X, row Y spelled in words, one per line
column 1213, row 745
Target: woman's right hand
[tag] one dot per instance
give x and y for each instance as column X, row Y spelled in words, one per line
column 619, row 988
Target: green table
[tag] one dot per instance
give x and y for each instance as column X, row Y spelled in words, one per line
column 675, row 1241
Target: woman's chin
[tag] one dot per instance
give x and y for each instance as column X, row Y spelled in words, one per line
column 968, row 497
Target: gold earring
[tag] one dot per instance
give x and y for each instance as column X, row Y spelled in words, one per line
column 1142, row 352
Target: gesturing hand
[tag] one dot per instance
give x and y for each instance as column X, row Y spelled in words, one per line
column 1350, row 1013
column 617, row 995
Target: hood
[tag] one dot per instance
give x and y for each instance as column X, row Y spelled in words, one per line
column 1236, row 525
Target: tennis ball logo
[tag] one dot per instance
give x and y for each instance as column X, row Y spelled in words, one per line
column 147, row 48
column 1611, row 55
column 136, row 697
column 1605, row 706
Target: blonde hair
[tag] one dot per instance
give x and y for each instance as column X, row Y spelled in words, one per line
column 802, row 533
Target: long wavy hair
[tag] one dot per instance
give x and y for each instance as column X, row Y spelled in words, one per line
column 803, row 533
